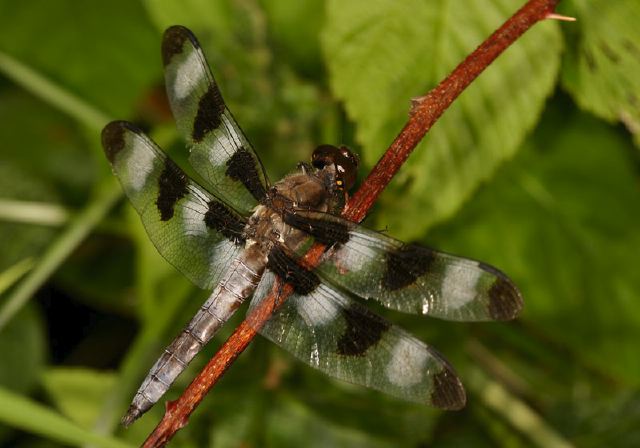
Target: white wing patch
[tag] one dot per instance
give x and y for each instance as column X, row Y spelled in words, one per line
column 314, row 312
column 221, row 145
column 138, row 163
column 189, row 76
column 406, row 366
column 193, row 219
column 460, row 283
column 355, row 255
column 225, row 143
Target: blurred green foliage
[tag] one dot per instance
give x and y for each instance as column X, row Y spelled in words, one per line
column 534, row 169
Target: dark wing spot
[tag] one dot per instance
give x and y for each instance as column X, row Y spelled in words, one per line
column 327, row 231
column 223, row 220
column 448, row 392
column 172, row 187
column 243, row 167
column 405, row 265
column 113, row 139
column 505, row 301
column 210, row 110
column 173, row 42
column 304, row 282
column 364, row 330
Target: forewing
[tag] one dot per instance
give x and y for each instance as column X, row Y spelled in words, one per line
column 193, row 230
column 219, row 150
column 408, row 277
column 341, row 338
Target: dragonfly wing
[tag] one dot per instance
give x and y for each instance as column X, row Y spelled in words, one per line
column 330, row 332
column 219, row 150
column 408, row 277
column 193, row 230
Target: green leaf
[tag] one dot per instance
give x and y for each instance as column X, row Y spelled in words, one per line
column 562, row 221
column 78, row 392
column 52, row 151
column 82, row 74
column 101, row 273
column 60, row 249
column 49, row 91
column 195, row 14
column 515, row 411
column 295, row 29
column 232, row 34
column 234, row 427
column 28, row 415
column 291, row 423
column 26, row 240
column 383, row 53
column 13, row 273
column 79, row 46
column 22, row 344
column 602, row 70
column 614, row 420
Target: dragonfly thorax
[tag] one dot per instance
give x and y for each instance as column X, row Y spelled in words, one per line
column 303, row 190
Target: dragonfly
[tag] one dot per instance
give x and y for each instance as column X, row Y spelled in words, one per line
column 237, row 234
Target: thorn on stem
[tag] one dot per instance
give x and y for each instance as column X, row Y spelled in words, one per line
column 554, row 16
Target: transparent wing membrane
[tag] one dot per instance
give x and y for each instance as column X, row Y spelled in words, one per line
column 219, row 150
column 409, row 277
column 332, row 333
column 193, row 230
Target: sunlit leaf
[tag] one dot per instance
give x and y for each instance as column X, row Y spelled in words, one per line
column 602, row 71
column 383, row 53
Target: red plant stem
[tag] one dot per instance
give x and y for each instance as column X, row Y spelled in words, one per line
column 425, row 112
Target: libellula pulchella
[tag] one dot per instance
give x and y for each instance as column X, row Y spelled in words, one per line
column 236, row 233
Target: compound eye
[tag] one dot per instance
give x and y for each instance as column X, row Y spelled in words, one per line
column 345, row 162
column 324, row 155
column 347, row 154
column 347, row 167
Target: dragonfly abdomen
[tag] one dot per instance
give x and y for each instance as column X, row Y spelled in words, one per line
column 237, row 285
